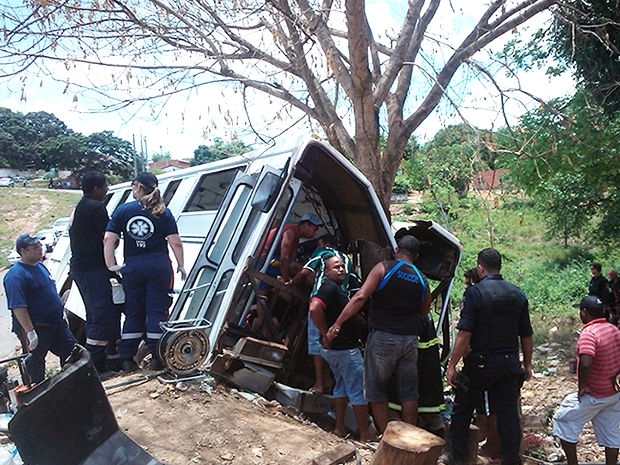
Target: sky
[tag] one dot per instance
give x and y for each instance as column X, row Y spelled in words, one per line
column 196, row 118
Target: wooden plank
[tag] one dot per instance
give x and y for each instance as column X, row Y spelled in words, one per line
column 339, row 454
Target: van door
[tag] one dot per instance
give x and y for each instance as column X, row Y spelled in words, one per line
column 202, row 304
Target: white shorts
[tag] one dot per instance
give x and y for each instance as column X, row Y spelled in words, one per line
column 573, row 414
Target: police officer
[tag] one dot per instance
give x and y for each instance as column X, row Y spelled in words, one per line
column 494, row 318
column 148, row 228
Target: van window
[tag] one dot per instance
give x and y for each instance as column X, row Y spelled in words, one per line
column 170, row 191
column 221, row 240
column 210, row 191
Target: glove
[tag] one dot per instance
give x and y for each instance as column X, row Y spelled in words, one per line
column 33, row 340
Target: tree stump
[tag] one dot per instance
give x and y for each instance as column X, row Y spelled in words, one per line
column 405, row 444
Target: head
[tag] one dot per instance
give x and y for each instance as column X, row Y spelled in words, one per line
column 327, row 240
column 334, row 269
column 95, row 185
column 489, row 261
column 407, row 248
column 143, row 184
column 595, row 268
column 613, row 274
column 471, row 277
column 29, row 248
column 309, row 224
column 590, row 308
column 145, row 190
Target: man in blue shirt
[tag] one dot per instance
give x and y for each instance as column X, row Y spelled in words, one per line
column 37, row 308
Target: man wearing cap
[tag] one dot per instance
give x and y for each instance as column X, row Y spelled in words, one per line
column 286, row 252
column 400, row 299
column 88, row 270
column 597, row 398
column 284, row 256
column 37, row 308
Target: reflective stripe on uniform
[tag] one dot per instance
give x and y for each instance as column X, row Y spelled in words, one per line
column 96, row 342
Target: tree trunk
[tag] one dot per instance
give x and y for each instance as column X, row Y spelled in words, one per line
column 405, row 444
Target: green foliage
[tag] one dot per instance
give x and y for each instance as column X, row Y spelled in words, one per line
column 401, row 184
column 565, row 156
column 218, row 151
column 586, row 34
column 41, row 141
column 161, row 156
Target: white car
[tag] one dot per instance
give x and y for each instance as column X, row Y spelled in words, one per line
column 48, row 239
column 60, row 225
column 13, row 257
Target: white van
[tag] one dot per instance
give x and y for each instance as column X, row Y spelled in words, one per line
column 230, row 215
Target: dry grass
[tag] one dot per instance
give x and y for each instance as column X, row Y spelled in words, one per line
column 29, row 209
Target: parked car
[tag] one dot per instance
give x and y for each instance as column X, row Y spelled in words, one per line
column 48, row 239
column 13, row 257
column 6, row 182
column 21, row 180
column 60, row 225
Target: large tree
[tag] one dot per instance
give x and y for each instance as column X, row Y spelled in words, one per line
column 322, row 59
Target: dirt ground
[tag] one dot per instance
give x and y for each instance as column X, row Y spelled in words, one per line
column 209, row 423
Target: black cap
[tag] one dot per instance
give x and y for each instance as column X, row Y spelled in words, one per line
column 590, row 302
column 25, row 240
column 147, row 179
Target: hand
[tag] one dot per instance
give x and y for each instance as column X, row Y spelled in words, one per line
column 332, row 333
column 181, row 270
column 451, row 376
column 116, row 268
column 617, row 382
column 33, row 340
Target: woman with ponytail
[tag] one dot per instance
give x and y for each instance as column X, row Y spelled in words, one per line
column 147, row 228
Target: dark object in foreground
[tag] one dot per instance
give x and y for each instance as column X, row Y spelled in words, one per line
column 68, row 420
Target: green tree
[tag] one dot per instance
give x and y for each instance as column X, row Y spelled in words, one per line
column 161, row 156
column 321, row 61
column 586, row 34
column 565, row 156
column 219, row 150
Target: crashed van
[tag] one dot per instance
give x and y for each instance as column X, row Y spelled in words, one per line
column 230, row 216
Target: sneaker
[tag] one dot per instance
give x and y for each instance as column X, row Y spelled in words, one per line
column 129, row 366
column 156, row 364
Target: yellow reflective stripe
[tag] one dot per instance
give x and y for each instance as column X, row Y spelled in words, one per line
column 435, row 409
column 428, row 344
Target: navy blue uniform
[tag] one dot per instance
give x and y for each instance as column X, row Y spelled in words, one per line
column 147, row 276
column 496, row 313
column 92, row 278
column 32, row 287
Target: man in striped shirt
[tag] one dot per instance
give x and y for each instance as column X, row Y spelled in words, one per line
column 597, row 398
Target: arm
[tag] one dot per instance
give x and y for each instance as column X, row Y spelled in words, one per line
column 425, row 306
column 583, row 373
column 110, row 242
column 317, row 314
column 288, row 252
column 461, row 347
column 300, row 277
column 357, row 301
column 22, row 315
column 175, row 243
column 527, row 347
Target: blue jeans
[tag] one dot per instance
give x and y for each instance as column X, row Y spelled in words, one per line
column 348, row 368
column 391, row 356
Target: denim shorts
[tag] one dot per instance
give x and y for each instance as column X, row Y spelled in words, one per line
column 391, row 357
column 604, row 412
column 348, row 368
column 314, row 338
